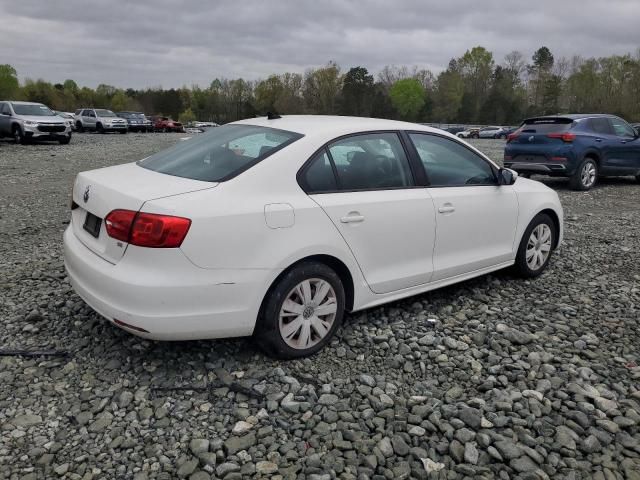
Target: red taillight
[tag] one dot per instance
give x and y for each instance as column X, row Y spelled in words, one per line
column 118, row 224
column 507, row 158
column 147, row 229
column 512, row 136
column 565, row 137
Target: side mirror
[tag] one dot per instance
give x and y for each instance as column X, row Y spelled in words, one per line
column 507, row 176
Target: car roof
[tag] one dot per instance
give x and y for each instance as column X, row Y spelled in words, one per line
column 307, row 124
column 18, row 102
column 570, row 116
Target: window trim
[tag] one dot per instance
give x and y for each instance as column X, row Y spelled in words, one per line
column 494, row 168
column 613, row 129
column 306, row 165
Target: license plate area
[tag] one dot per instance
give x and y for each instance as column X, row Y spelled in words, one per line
column 92, row 224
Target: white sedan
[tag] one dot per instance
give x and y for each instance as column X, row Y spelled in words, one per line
column 277, row 226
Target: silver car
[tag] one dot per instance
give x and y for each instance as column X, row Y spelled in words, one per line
column 100, row 120
column 24, row 121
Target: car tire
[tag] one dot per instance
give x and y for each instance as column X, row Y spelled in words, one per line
column 79, row 127
column 18, row 135
column 536, row 246
column 123, row 132
column 585, row 176
column 65, row 140
column 638, row 178
column 285, row 332
column 100, row 128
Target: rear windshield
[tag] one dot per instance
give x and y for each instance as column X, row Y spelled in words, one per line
column 546, row 125
column 221, row 153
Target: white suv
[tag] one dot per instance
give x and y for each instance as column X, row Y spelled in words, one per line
column 26, row 121
column 100, row 120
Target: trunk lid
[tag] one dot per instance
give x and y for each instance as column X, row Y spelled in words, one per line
column 128, row 187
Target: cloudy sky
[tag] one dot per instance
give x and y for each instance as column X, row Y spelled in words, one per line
column 171, row 43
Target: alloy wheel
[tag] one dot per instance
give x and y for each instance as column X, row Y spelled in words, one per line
column 538, row 246
column 307, row 314
column 588, row 174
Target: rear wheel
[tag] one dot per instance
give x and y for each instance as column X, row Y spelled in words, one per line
column 536, row 246
column 301, row 312
column 123, row 132
column 18, row 136
column 585, row 176
column 638, row 178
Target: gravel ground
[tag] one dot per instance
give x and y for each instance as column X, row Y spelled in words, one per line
column 493, row 378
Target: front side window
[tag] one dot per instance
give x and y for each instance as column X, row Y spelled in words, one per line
column 221, row 153
column 36, row 110
column 371, row 161
column 621, row 128
column 5, row 109
column 450, row 164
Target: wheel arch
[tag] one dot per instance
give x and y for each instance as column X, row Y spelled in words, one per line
column 332, row 262
column 556, row 223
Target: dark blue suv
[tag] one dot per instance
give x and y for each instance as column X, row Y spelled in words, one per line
column 581, row 147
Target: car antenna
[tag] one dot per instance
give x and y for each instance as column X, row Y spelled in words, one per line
column 272, row 116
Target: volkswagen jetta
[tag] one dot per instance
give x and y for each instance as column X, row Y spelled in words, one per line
column 277, row 226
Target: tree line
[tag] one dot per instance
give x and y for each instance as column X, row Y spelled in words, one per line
column 473, row 89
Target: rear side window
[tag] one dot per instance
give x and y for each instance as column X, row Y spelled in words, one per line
column 450, row 164
column 5, row 109
column 546, row 125
column 371, row 161
column 621, row 128
column 600, row 125
column 318, row 177
column 221, row 153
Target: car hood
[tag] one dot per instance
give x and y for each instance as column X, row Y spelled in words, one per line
column 42, row 119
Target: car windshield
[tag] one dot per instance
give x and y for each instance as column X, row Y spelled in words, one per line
column 220, row 154
column 36, row 110
column 105, row 113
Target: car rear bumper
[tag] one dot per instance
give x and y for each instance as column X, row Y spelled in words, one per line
column 162, row 295
column 541, row 168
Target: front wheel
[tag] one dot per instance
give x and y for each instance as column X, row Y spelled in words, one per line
column 301, row 312
column 18, row 136
column 536, row 246
column 65, row 140
column 100, row 128
column 585, row 176
column 638, row 178
column 122, row 132
column 79, row 127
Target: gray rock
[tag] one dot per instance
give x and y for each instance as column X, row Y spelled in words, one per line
column 385, row 447
column 266, row 468
column 471, row 453
column 234, row 444
column 198, row 445
column 187, row 468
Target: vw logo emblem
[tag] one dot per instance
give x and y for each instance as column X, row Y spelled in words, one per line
column 531, row 138
column 85, row 197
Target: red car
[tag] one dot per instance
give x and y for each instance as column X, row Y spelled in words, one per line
column 165, row 124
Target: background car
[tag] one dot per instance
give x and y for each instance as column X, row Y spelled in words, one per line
column 68, row 118
column 136, row 121
column 100, row 120
column 25, row 121
column 470, row 132
column 492, row 132
column 455, row 130
column 636, row 126
column 166, row 124
column 276, row 227
column 582, row 147
column 204, row 125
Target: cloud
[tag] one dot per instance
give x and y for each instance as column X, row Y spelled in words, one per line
column 160, row 42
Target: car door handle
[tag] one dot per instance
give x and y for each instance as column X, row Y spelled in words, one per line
column 623, row 141
column 447, row 208
column 353, row 217
column 598, row 139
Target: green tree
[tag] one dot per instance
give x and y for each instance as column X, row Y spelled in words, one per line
column 321, row 89
column 9, row 85
column 187, row 116
column 476, row 68
column 407, row 97
column 357, row 89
